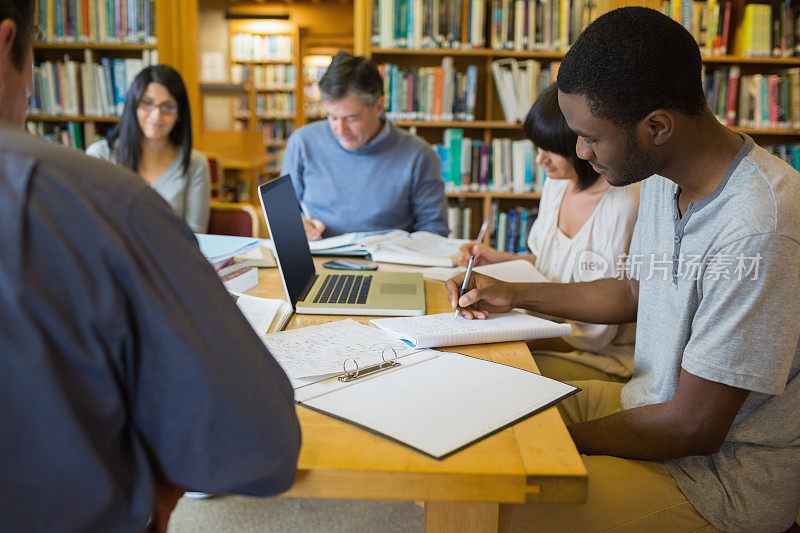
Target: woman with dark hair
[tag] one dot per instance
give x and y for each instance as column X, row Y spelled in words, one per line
column 583, row 228
column 154, row 139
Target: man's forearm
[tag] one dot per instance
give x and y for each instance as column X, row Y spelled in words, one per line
column 605, row 301
column 647, row 432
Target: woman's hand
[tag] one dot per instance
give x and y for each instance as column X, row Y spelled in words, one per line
column 484, row 254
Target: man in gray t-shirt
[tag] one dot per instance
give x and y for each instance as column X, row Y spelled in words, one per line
column 709, row 425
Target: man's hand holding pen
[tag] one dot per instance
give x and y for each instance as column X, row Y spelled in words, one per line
column 483, row 295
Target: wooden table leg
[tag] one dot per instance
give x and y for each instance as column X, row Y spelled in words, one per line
column 461, row 517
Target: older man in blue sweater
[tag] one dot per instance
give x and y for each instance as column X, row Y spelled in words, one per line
column 356, row 171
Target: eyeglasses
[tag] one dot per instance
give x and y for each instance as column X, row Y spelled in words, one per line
column 166, row 108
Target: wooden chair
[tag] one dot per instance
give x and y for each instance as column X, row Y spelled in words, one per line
column 233, row 219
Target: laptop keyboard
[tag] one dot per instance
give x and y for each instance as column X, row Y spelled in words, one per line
column 344, row 289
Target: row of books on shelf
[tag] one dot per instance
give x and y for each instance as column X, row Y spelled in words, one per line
column 73, row 134
column 97, row 21
column 255, row 47
column 788, row 152
column 275, row 104
column 265, row 77
column 430, row 93
column 84, row 88
column 709, row 22
column 764, row 101
column 502, row 165
column 429, row 23
column 519, row 83
column 542, row 25
column 508, row 229
column 275, row 131
column 499, row 24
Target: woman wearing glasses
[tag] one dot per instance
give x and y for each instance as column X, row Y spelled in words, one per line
column 154, row 139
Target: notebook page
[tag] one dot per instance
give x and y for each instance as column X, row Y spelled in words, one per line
column 322, row 350
column 445, row 329
column 259, row 312
column 516, row 271
column 442, row 404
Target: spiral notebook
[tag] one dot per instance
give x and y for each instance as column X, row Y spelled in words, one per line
column 445, row 329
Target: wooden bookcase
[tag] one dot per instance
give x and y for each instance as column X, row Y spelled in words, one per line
column 250, row 112
column 58, row 47
column 489, row 120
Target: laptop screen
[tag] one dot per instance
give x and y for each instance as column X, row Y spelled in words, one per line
column 282, row 212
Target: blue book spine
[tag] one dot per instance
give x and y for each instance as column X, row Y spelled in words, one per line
column 442, row 153
column 764, row 101
column 511, row 232
column 472, row 91
column 35, row 102
column 59, row 7
column 524, row 228
column 119, row 85
column 43, row 19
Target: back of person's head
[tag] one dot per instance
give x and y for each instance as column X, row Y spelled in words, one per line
column 351, row 75
column 126, row 138
column 632, row 61
column 547, row 128
column 21, row 12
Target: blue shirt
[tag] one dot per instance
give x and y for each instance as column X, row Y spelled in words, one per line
column 122, row 357
column 392, row 182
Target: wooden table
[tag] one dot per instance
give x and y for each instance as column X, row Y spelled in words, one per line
column 533, row 461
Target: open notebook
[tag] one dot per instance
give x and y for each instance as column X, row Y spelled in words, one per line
column 445, row 329
column 365, row 377
column 395, row 246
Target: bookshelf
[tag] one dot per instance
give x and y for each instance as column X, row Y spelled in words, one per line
column 88, row 54
column 417, row 43
column 265, row 57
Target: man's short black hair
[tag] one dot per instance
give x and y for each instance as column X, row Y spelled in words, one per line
column 348, row 74
column 632, row 61
column 21, row 12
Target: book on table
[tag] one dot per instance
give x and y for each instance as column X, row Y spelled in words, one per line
column 394, row 246
column 365, row 377
column 265, row 315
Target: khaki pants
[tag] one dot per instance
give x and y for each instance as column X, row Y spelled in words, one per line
column 624, row 495
column 556, row 367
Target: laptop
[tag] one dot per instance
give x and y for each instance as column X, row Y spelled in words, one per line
column 330, row 292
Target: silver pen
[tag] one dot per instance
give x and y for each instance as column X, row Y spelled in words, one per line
column 470, row 265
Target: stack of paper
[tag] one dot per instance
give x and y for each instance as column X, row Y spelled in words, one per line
column 220, row 248
column 326, row 349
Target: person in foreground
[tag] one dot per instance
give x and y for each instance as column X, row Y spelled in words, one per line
column 705, row 435
column 126, row 371
column 154, row 139
column 356, row 171
column 583, row 226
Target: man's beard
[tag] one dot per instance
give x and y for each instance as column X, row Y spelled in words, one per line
column 639, row 164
